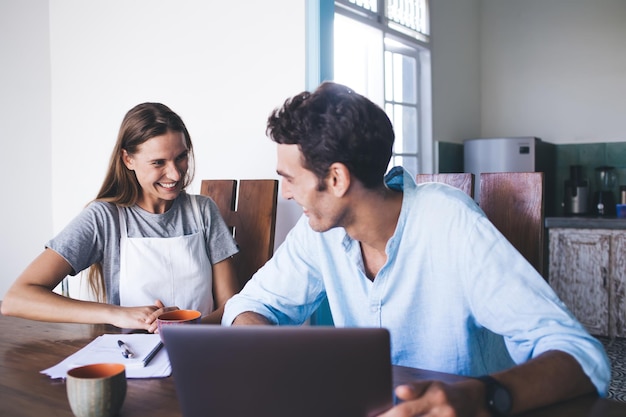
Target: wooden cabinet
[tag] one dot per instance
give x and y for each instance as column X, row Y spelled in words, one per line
column 587, row 269
column 618, row 282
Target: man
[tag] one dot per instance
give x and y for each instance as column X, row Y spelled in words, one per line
column 422, row 261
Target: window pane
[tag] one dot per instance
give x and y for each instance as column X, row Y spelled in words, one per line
column 409, row 78
column 389, row 76
column 401, row 78
column 359, row 57
column 405, row 120
column 408, row 162
column 409, row 129
column 389, row 111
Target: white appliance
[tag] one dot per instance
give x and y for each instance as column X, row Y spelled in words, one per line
column 512, row 154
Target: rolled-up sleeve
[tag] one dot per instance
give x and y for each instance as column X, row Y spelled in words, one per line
column 510, row 298
column 288, row 288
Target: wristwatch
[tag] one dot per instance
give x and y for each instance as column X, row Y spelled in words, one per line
column 498, row 399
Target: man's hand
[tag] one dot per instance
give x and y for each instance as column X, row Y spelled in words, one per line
column 555, row 375
column 438, row 399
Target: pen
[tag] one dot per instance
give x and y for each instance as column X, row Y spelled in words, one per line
column 152, row 354
column 126, row 352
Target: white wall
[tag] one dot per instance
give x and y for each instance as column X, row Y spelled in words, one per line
column 187, row 54
column 222, row 66
column 455, row 37
column 555, row 69
column 25, row 167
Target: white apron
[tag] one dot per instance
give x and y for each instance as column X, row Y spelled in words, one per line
column 175, row 270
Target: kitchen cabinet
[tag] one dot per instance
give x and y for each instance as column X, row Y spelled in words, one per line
column 587, row 269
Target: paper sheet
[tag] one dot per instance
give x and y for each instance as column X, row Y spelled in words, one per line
column 104, row 349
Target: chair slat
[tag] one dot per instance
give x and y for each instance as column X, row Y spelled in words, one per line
column 463, row 180
column 514, row 203
column 253, row 221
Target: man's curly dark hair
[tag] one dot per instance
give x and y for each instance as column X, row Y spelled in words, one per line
column 335, row 124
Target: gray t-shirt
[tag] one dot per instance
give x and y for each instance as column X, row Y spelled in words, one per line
column 94, row 235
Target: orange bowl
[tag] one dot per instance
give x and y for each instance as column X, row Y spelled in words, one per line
column 97, row 370
column 178, row 317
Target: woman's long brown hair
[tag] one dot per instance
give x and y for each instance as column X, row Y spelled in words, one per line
column 120, row 185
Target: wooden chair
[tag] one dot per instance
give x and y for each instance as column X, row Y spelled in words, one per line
column 464, row 181
column 514, row 203
column 253, row 222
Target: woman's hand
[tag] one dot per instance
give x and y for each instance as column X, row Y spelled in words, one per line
column 143, row 318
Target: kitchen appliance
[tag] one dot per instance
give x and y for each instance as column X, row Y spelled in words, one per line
column 603, row 198
column 511, row 154
column 576, row 192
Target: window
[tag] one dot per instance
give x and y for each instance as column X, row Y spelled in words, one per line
column 381, row 51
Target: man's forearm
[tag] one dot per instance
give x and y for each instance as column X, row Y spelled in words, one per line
column 556, row 376
column 250, row 318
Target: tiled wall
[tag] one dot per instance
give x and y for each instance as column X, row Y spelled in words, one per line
column 589, row 155
column 450, row 156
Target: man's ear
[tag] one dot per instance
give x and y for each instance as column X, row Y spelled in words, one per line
column 338, row 179
column 128, row 161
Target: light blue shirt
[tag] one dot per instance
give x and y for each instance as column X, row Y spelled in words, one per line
column 454, row 293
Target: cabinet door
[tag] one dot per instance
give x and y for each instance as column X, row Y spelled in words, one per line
column 618, row 283
column 579, row 274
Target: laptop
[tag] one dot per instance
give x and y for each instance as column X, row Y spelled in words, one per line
column 280, row 371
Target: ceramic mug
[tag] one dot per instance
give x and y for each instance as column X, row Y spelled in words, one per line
column 176, row 317
column 96, row 390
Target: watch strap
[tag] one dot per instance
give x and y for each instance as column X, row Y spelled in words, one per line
column 498, row 399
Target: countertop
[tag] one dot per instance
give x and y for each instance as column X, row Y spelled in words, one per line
column 586, row 222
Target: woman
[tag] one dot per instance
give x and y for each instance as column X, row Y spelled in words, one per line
column 150, row 247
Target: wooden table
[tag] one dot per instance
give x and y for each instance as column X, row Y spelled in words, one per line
column 27, row 347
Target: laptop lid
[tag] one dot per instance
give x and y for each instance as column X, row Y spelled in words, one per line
column 280, row 371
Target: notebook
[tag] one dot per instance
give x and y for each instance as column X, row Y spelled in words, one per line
column 280, row 371
column 148, row 360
